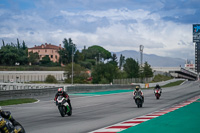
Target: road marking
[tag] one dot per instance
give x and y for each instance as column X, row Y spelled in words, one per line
column 37, row 101
column 135, row 121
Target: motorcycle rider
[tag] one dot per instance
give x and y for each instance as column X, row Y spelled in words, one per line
column 61, row 92
column 138, row 91
column 158, row 88
column 7, row 115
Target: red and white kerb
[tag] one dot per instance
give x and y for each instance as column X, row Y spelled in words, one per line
column 135, row 121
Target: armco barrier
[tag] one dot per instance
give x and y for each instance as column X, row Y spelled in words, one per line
column 89, row 88
column 28, row 93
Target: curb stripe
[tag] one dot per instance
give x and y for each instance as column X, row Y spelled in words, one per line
column 116, row 128
column 144, row 118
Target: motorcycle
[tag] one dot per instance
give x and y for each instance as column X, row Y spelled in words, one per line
column 63, row 106
column 138, row 100
column 157, row 93
column 6, row 126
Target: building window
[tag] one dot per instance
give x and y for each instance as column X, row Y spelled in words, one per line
column 56, row 56
column 51, row 56
column 38, row 51
column 45, row 50
column 52, row 51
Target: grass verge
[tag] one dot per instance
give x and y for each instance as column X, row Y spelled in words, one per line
column 17, row 101
column 169, row 85
column 174, row 83
column 159, row 78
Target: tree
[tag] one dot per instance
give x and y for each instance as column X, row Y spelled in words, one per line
column 45, row 60
column 3, row 42
column 8, row 55
column 104, row 73
column 79, row 73
column 98, row 52
column 114, row 59
column 33, row 58
column 18, row 44
column 24, row 45
column 121, row 61
column 147, row 71
column 77, row 69
column 131, row 67
column 78, row 56
column 66, row 53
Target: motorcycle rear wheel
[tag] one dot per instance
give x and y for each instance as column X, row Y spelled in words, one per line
column 69, row 113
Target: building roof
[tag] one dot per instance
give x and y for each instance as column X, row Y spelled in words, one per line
column 47, row 46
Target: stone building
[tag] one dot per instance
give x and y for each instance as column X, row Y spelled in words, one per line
column 47, row 49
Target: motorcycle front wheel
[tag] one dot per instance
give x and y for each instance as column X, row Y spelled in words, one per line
column 62, row 112
column 19, row 128
column 138, row 102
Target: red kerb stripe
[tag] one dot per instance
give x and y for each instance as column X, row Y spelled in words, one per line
column 119, row 127
column 133, row 122
column 145, row 118
column 153, row 115
column 104, row 132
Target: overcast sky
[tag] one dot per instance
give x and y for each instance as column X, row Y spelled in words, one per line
column 164, row 27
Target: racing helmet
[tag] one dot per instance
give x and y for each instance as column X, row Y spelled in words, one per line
column 137, row 88
column 60, row 90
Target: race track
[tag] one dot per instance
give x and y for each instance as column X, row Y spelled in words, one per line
column 94, row 112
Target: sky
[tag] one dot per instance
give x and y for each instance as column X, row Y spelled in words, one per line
column 163, row 27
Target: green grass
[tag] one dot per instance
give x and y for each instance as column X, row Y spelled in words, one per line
column 17, row 101
column 159, row 78
column 169, row 85
column 174, row 83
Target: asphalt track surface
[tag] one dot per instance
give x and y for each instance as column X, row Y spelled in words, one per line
column 94, row 112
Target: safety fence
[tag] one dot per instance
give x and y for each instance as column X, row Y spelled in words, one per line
column 22, row 93
column 132, row 80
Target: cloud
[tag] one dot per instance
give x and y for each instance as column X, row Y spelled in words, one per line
column 116, row 29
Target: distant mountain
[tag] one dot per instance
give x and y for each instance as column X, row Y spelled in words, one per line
column 153, row 60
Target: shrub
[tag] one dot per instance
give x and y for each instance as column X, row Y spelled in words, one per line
column 104, row 81
column 51, row 79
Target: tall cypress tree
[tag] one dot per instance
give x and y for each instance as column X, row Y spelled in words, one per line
column 18, row 44
column 3, row 42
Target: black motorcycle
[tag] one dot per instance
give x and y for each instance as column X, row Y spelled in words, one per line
column 6, row 126
column 138, row 100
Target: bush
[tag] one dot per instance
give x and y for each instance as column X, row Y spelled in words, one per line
column 86, row 64
column 77, row 80
column 104, row 81
column 51, row 79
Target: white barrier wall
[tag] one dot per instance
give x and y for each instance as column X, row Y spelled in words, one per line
column 26, row 76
